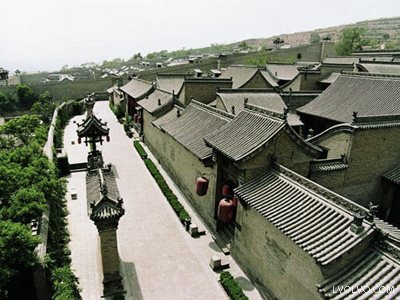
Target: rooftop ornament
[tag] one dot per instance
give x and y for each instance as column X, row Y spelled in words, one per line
column 93, row 131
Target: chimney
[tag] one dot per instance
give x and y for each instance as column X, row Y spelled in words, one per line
column 178, row 113
column 356, row 225
column 198, row 73
column 233, row 110
column 159, row 102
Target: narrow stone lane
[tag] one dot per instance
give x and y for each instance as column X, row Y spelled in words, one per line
column 159, row 260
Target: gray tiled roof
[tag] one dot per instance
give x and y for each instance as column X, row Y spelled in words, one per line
column 367, row 95
column 271, row 101
column 344, row 60
column 328, row 165
column 380, row 68
column 245, row 134
column 170, row 83
column 156, row 100
column 372, row 270
column 317, row 225
column 282, row 71
column 102, row 195
column 93, row 187
column 271, row 80
column 168, row 117
column 92, row 125
column 239, row 74
column 197, row 121
column 330, row 78
column 137, row 88
column 393, row 175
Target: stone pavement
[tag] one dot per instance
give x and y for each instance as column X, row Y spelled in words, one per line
column 159, row 260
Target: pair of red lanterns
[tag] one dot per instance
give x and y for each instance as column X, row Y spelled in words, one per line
column 226, row 206
column 107, row 139
column 137, row 118
column 202, row 188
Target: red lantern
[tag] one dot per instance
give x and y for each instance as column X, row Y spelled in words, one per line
column 225, row 210
column 201, row 186
column 139, row 119
column 108, row 138
column 79, row 140
column 226, row 191
column 135, row 118
column 235, row 201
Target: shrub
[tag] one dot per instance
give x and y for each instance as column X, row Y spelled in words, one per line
column 65, row 284
column 233, row 289
column 171, row 197
column 140, row 149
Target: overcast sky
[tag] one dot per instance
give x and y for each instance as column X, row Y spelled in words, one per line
column 47, row 34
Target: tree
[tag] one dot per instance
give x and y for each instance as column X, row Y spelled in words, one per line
column 26, row 96
column 314, row 38
column 351, row 40
column 26, row 205
column 386, row 36
column 7, row 103
column 23, row 128
column 243, row 46
column 278, row 42
column 44, row 107
column 17, row 246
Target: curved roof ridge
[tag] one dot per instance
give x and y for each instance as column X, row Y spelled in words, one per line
column 212, row 110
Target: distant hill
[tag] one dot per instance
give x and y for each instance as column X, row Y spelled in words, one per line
column 381, row 30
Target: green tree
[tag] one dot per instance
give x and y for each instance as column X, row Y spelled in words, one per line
column 386, row 36
column 44, row 107
column 26, row 205
column 16, row 251
column 26, row 96
column 351, row 40
column 22, row 128
column 278, row 42
column 314, row 38
column 7, row 103
column 243, row 46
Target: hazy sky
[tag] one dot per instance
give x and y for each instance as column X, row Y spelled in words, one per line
column 47, row 34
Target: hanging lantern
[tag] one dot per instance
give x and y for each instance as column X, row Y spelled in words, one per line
column 135, row 118
column 226, row 191
column 108, row 138
column 79, row 140
column 139, row 119
column 225, row 210
column 235, row 201
column 201, row 186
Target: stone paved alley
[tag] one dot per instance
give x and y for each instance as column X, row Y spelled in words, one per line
column 159, row 260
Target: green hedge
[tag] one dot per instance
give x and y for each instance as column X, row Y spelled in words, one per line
column 171, row 197
column 233, row 289
column 64, row 282
column 140, row 149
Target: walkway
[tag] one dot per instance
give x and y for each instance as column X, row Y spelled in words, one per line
column 159, row 260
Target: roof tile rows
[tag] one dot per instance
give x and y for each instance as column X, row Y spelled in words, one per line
column 372, row 271
column 380, row 68
column 244, row 134
column 170, row 83
column 137, row 88
column 317, row 225
column 197, row 121
column 271, row 101
column 283, row 72
column 393, row 175
column 156, row 100
column 240, row 75
column 367, row 95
